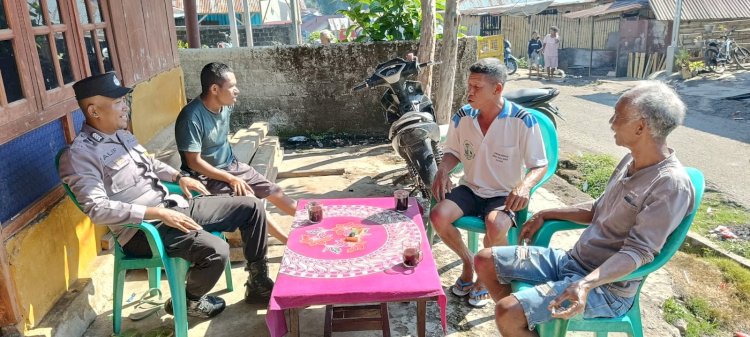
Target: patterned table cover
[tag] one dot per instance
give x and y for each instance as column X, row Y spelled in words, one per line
column 320, row 266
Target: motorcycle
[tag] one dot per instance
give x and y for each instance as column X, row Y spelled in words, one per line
column 414, row 133
column 720, row 53
column 537, row 99
column 511, row 62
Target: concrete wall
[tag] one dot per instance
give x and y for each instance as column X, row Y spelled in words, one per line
column 692, row 33
column 306, row 89
column 50, row 255
column 156, row 103
column 267, row 35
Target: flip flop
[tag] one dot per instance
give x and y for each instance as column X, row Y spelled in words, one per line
column 461, row 288
column 144, row 309
column 474, row 300
column 149, row 303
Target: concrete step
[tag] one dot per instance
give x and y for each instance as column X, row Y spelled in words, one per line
column 245, row 142
column 81, row 304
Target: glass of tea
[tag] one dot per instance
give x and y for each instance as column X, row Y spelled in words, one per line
column 314, row 211
column 412, row 253
column 402, row 200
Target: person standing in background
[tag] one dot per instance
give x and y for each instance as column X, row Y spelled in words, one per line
column 535, row 45
column 549, row 48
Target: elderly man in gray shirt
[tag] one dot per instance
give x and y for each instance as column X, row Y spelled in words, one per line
column 116, row 182
column 647, row 196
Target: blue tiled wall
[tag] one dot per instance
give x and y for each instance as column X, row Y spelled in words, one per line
column 27, row 167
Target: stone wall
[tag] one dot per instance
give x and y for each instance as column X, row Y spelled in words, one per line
column 267, row 35
column 306, row 89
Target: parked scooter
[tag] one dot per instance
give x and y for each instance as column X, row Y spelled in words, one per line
column 511, row 62
column 414, row 134
column 537, row 99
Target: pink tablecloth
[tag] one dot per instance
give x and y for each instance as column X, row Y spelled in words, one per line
column 321, row 267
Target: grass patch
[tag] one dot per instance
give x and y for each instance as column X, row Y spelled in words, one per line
column 595, row 169
column 723, row 280
column 736, row 274
column 701, row 318
column 723, row 213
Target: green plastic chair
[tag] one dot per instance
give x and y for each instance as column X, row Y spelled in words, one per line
column 630, row 323
column 475, row 224
column 175, row 268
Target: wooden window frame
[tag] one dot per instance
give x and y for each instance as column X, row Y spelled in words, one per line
column 40, row 106
column 92, row 27
column 15, row 33
column 63, row 91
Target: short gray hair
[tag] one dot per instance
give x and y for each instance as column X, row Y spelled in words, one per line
column 659, row 105
column 491, row 67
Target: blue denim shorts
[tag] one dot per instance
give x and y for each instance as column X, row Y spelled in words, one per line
column 551, row 271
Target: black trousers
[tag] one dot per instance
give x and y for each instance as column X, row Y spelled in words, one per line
column 207, row 253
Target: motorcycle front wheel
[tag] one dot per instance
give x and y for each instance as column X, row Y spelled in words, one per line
column 742, row 56
column 512, row 66
column 713, row 64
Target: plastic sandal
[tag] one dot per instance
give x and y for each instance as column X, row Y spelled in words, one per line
column 474, row 300
column 149, row 303
column 461, row 288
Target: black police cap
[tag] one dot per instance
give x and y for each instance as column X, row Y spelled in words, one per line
column 105, row 84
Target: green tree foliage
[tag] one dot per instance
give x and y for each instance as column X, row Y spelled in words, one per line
column 386, row 20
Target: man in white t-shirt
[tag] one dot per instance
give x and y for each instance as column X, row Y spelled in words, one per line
column 497, row 141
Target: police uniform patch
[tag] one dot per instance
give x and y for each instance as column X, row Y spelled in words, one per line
column 97, row 137
column 121, row 161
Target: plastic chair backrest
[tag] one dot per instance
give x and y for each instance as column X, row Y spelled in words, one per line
column 65, row 186
column 551, row 150
column 674, row 240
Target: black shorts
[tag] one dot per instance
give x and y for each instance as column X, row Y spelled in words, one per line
column 473, row 205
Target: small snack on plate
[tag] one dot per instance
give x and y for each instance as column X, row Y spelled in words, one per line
column 352, row 239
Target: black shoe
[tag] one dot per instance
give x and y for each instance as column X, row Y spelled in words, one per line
column 259, row 286
column 205, row 307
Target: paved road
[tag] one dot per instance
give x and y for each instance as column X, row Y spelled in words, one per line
column 715, row 138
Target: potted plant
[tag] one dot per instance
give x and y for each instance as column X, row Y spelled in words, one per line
column 695, row 67
column 682, row 61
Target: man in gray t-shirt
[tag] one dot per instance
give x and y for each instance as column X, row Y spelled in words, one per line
column 647, row 197
column 201, row 133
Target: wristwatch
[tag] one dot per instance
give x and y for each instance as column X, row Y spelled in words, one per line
column 180, row 175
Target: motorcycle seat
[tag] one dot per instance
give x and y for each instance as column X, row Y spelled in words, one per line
column 523, row 96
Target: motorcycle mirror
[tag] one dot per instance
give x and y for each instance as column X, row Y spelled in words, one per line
column 359, row 87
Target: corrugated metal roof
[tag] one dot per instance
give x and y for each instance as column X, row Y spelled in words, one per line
column 702, row 9
column 559, row 3
column 218, row 6
column 507, row 7
column 618, row 6
column 473, row 4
